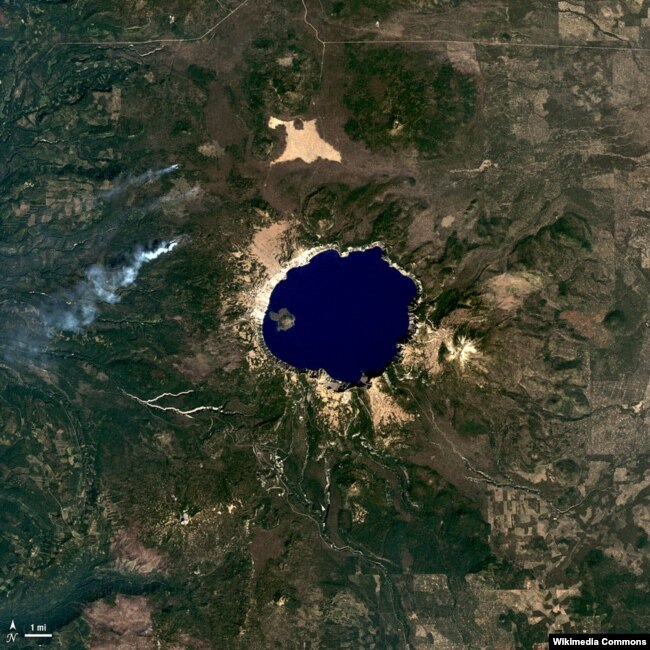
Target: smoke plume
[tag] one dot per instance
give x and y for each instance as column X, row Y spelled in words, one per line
column 149, row 176
column 76, row 308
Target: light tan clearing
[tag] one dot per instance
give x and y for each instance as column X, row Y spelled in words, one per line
column 265, row 249
column 126, row 625
column 422, row 351
column 605, row 22
column 541, row 473
column 335, row 407
column 576, row 6
column 187, row 642
column 534, row 601
column 359, row 513
column 131, row 556
column 259, row 271
column 260, row 294
column 641, row 514
column 573, row 24
column 631, row 559
column 508, row 290
column 285, row 61
column 629, row 491
column 110, row 102
column 303, row 142
column 68, row 199
column 267, row 246
column 484, row 166
column 463, row 57
column 384, row 407
column 211, row 149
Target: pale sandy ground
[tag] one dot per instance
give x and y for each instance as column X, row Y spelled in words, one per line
column 261, row 293
column 384, row 408
column 211, row 149
column 509, row 290
column 131, row 556
column 335, row 407
column 463, row 57
column 303, row 143
column 267, row 246
column 534, row 601
column 339, row 409
column 262, row 270
column 124, row 625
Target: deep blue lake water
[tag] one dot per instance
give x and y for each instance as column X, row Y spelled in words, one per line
column 343, row 314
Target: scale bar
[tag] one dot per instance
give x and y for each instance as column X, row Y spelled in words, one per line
column 38, row 636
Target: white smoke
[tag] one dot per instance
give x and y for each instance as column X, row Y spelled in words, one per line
column 149, row 176
column 153, row 175
column 76, row 308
